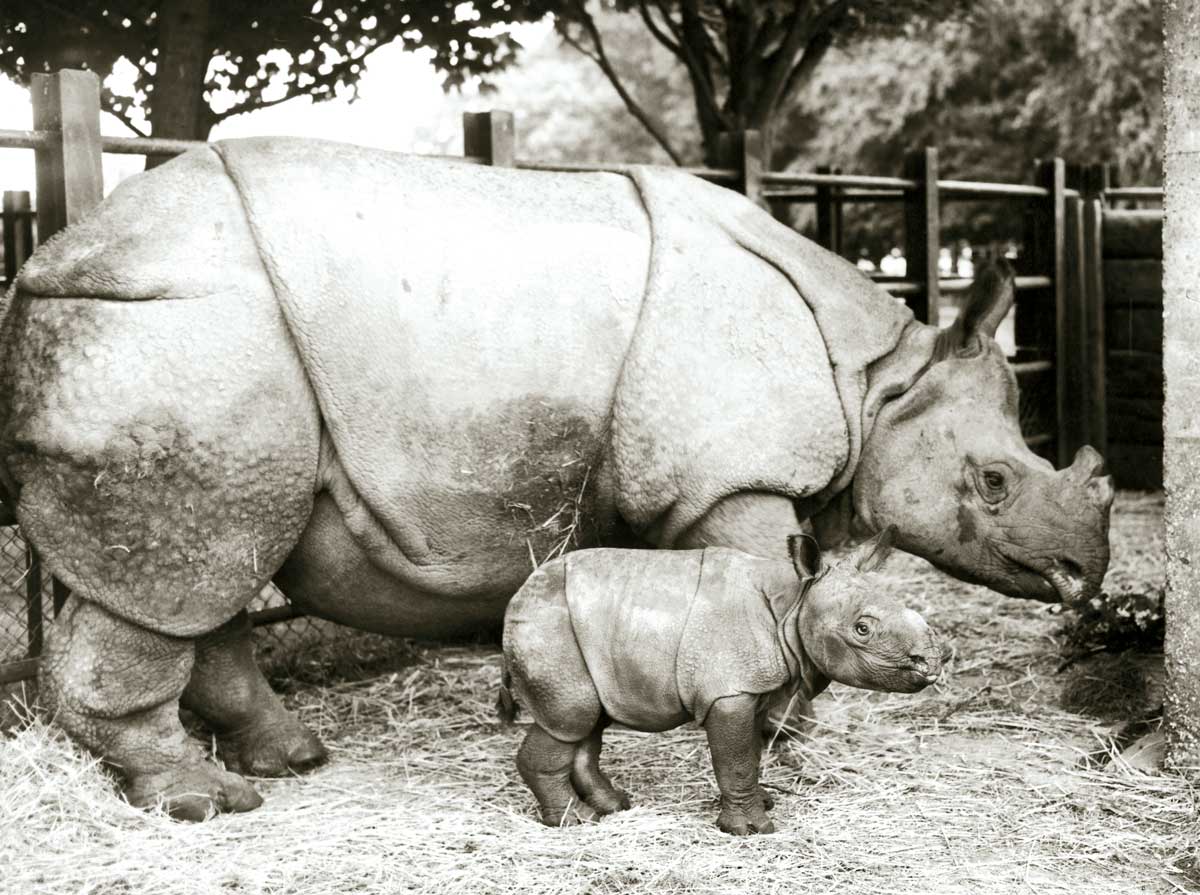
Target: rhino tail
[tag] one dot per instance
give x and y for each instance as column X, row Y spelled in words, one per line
column 506, row 706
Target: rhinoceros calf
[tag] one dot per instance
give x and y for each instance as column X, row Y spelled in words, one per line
column 387, row 382
column 652, row 640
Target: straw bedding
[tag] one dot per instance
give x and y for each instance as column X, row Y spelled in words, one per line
column 982, row 784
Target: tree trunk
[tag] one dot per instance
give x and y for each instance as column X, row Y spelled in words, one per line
column 177, row 106
column 1181, row 365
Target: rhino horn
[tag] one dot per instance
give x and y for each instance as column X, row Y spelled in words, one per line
column 1088, row 469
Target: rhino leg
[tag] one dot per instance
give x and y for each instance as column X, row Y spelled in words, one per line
column 735, row 741
column 114, row 687
column 591, row 782
column 256, row 734
column 545, row 764
column 789, row 715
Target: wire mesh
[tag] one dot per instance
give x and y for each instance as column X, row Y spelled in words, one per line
column 29, row 599
column 20, row 623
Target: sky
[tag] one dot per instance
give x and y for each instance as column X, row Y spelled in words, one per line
column 400, row 106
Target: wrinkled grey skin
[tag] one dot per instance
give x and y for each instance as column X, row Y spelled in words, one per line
column 1019, row 527
column 579, row 661
column 171, row 442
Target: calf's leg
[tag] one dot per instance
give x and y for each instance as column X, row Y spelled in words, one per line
column 735, row 743
column 256, row 734
column 591, row 782
column 115, row 687
column 545, row 764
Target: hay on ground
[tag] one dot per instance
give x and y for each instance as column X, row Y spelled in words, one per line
column 980, row 784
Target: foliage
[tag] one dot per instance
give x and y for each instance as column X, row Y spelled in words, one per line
column 248, row 53
column 745, row 59
column 1118, row 619
column 1012, row 82
column 567, row 109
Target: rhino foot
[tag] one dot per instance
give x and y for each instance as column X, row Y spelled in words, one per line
column 194, row 793
column 741, row 823
column 767, row 799
column 273, row 750
column 577, row 812
column 610, row 802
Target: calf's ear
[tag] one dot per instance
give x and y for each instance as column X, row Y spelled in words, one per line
column 805, row 554
column 870, row 555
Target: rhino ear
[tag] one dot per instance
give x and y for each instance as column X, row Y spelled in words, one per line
column 872, row 554
column 986, row 306
column 805, row 554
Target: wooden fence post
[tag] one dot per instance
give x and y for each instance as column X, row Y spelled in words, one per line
column 922, row 240
column 1041, row 314
column 1095, row 180
column 829, row 214
column 743, row 151
column 1075, row 391
column 69, row 176
column 1095, row 346
column 491, row 136
column 18, row 231
column 1052, row 175
column 33, row 601
column 70, row 182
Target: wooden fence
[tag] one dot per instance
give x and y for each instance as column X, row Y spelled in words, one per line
column 1123, row 279
column 1056, row 363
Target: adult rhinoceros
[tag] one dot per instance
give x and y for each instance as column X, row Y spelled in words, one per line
column 393, row 384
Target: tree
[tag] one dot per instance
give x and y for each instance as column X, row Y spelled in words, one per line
column 567, row 109
column 746, row 59
column 198, row 61
column 1008, row 83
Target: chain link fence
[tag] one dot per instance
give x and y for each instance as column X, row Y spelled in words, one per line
column 30, row 599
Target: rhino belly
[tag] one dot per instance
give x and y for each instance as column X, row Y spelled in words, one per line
column 531, row 484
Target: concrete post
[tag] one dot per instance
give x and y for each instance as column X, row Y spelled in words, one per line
column 1181, row 367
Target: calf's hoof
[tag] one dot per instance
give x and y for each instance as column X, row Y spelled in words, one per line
column 576, row 813
column 739, row 823
column 610, row 802
column 193, row 793
column 274, row 750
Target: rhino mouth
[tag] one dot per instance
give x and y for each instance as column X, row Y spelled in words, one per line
column 1068, row 583
column 1056, row 582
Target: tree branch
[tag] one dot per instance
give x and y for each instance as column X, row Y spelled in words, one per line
column 661, row 36
column 601, row 60
column 783, row 61
column 292, row 88
column 122, row 116
column 708, row 109
column 813, row 54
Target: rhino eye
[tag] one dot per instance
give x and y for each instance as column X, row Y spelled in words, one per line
column 992, row 483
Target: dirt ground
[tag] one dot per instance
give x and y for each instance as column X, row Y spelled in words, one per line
column 982, row 784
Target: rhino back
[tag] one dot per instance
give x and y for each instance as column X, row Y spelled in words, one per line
column 463, row 329
column 176, row 231
column 628, row 612
column 731, row 644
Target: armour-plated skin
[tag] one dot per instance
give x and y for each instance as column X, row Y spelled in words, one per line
column 652, row 640
column 393, row 385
